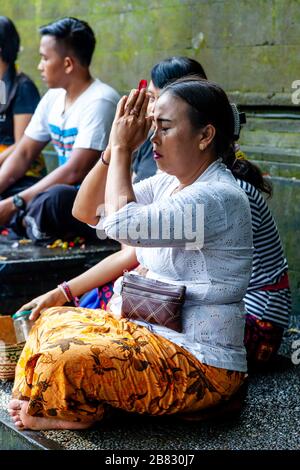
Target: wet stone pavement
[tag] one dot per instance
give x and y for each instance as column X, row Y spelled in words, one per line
column 270, row 418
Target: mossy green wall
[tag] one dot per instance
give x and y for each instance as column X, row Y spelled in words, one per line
column 250, row 47
column 232, row 38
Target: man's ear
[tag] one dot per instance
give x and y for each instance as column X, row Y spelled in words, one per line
column 68, row 64
column 206, row 136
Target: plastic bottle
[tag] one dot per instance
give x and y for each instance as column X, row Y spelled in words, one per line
column 22, row 325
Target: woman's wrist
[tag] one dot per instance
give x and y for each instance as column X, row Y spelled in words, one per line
column 105, row 156
column 59, row 296
column 121, row 151
column 65, row 290
column 103, row 160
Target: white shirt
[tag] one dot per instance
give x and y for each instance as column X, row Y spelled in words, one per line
column 86, row 123
column 216, row 273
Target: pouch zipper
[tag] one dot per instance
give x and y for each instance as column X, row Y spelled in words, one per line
column 147, row 289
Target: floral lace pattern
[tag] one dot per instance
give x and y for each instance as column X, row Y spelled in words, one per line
column 216, row 273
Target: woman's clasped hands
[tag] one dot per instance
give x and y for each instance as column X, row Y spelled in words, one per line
column 131, row 124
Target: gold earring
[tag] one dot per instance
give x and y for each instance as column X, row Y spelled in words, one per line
column 201, row 147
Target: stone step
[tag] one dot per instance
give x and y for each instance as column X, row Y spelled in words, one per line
column 13, row 439
column 28, row 270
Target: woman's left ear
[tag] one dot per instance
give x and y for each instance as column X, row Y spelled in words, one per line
column 207, row 136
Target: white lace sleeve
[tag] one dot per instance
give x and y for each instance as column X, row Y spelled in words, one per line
column 177, row 221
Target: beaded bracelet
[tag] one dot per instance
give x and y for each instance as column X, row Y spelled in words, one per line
column 68, row 294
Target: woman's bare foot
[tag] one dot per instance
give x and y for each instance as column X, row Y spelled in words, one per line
column 18, row 411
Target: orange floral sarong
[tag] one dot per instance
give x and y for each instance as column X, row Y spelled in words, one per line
column 79, row 362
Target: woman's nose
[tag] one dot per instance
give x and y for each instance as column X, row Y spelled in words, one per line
column 154, row 137
column 150, row 109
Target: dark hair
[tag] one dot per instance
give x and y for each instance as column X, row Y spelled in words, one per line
column 173, row 68
column 247, row 171
column 9, row 41
column 73, row 35
column 208, row 104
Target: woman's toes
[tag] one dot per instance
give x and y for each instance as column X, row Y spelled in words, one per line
column 14, row 409
column 14, row 404
column 19, row 424
column 16, row 418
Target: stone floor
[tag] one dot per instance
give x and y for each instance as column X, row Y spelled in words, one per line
column 270, row 419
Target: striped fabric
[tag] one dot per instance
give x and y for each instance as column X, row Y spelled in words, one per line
column 63, row 141
column 269, row 264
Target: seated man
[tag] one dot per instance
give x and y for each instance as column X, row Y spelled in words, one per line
column 76, row 114
column 21, row 98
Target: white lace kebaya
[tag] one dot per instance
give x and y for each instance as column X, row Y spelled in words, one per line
column 216, row 272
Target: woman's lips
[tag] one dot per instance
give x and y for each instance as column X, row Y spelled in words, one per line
column 156, row 155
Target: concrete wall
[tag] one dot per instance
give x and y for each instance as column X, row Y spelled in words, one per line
column 250, row 47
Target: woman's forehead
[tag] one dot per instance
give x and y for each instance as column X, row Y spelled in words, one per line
column 169, row 104
column 153, row 89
